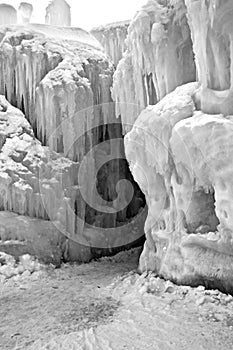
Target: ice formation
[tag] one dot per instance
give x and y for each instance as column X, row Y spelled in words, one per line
column 159, row 57
column 179, row 148
column 60, row 78
column 212, row 42
column 25, row 12
column 58, row 13
column 30, row 184
column 112, row 37
column 28, row 168
column 180, row 153
column 8, row 14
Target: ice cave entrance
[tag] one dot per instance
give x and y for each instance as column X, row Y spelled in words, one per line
column 108, row 175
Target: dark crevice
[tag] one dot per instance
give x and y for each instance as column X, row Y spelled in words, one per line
column 108, row 176
column 201, row 216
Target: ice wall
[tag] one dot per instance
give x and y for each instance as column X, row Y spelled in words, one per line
column 58, row 13
column 159, row 58
column 23, row 64
column 112, row 38
column 8, row 14
column 212, row 32
column 32, row 180
column 61, row 79
column 86, row 83
column 180, row 153
column 38, row 183
column 65, row 64
column 27, row 168
column 181, row 157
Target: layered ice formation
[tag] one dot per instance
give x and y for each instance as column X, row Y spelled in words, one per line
column 76, row 175
column 112, row 37
column 159, row 57
column 180, row 153
column 173, row 93
column 31, row 185
column 56, row 75
column 212, row 34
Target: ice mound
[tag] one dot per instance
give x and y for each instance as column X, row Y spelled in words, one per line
column 181, row 158
column 180, row 149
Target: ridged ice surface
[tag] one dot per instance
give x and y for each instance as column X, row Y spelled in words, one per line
column 180, row 147
column 159, row 58
column 28, row 54
column 30, row 173
column 60, row 79
column 181, row 158
column 211, row 29
column 113, row 39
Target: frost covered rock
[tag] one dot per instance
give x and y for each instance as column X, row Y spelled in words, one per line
column 17, row 270
column 29, row 263
column 58, row 13
column 6, row 259
column 8, row 14
column 25, row 12
column 159, row 58
column 112, row 37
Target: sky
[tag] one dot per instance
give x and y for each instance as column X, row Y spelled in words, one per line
column 87, row 14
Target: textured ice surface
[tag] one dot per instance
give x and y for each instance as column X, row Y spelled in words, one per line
column 182, row 160
column 112, row 37
column 159, row 58
column 74, row 176
column 211, row 29
column 180, row 149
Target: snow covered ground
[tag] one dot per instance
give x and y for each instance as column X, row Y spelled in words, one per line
column 107, row 305
column 70, row 34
